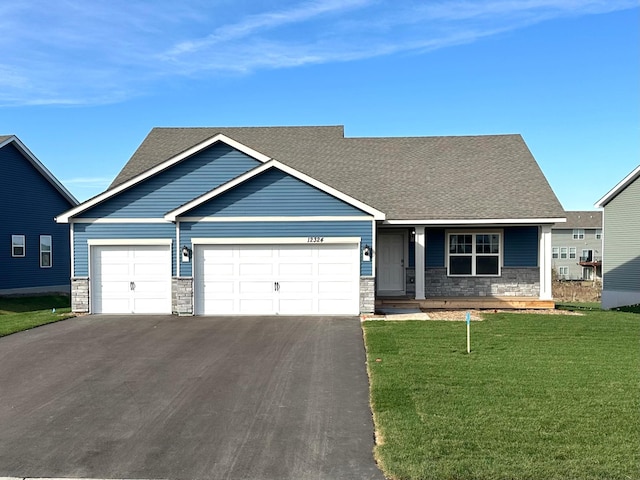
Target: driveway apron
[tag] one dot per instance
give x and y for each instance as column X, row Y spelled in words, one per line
column 187, row 398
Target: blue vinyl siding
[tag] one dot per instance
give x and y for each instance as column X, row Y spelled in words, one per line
column 521, row 246
column 435, row 256
column 273, row 193
column 362, row 229
column 82, row 232
column 29, row 204
column 177, row 185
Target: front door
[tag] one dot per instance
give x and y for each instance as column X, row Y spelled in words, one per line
column 391, row 268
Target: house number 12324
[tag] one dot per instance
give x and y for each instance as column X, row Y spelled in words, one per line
column 315, row 239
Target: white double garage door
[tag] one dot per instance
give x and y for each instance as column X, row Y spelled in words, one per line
column 255, row 279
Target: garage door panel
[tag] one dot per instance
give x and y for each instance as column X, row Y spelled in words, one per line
column 296, row 307
column 286, row 268
column 289, row 287
column 264, row 287
column 131, row 279
column 277, row 279
column 336, row 307
column 250, row 269
column 337, row 269
column 256, row 306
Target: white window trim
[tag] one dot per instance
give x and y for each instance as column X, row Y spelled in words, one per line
column 42, row 251
column 578, row 234
column 555, row 252
column 566, row 253
column 16, row 243
column 560, row 269
column 598, row 234
column 572, row 251
column 473, row 255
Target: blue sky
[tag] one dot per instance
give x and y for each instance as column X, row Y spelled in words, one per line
column 83, row 83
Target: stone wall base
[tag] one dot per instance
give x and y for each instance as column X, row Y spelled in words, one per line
column 514, row 282
column 80, row 294
column 182, row 296
column 367, row 295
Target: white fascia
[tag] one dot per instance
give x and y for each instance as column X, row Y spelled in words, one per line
column 172, row 215
column 488, row 221
column 618, row 188
column 41, row 168
column 64, row 218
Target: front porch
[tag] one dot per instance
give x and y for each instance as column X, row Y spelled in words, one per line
column 464, row 303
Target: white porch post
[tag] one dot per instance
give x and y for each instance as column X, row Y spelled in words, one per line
column 420, row 244
column 545, row 262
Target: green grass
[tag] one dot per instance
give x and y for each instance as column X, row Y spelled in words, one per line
column 23, row 313
column 539, row 397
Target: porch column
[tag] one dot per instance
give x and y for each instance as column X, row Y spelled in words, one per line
column 544, row 259
column 420, row 244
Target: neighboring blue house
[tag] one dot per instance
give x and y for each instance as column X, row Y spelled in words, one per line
column 301, row 220
column 35, row 251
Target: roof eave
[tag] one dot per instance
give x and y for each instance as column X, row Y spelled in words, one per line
column 38, row 165
column 611, row 194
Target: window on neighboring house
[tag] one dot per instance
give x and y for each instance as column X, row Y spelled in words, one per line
column 474, row 254
column 563, row 252
column 578, row 234
column 598, row 233
column 45, row 251
column 563, row 272
column 572, row 252
column 555, row 252
column 17, row 246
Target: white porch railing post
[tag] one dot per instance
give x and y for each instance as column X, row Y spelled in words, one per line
column 420, row 247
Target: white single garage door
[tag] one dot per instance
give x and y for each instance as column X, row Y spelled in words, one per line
column 277, row 279
column 130, row 279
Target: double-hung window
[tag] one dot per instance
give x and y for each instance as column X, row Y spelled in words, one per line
column 474, row 254
column 578, row 234
column 45, row 251
column 563, row 252
column 598, row 233
column 555, row 252
column 572, row 252
column 17, row 246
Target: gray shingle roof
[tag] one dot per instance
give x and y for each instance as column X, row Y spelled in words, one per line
column 408, row 178
column 581, row 219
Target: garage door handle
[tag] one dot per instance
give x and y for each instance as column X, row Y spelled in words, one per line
column 132, row 285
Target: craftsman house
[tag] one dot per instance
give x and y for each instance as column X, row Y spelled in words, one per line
column 303, row 220
column 621, row 259
column 35, row 251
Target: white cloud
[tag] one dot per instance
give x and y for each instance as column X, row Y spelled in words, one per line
column 106, row 51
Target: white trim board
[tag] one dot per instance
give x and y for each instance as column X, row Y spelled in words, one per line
column 172, row 215
column 129, row 241
column 464, row 222
column 276, row 219
column 611, row 194
column 274, row 240
column 118, row 220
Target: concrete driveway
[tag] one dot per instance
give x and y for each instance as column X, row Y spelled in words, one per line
column 186, row 398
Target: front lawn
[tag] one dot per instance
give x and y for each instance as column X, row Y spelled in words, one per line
column 23, row 313
column 539, row 397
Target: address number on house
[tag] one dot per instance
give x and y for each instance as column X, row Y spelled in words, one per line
column 315, row 239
